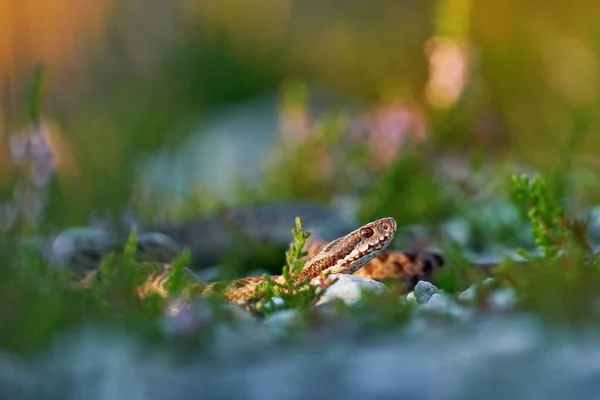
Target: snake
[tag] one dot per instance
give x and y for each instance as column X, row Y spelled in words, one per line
column 330, row 249
column 345, row 255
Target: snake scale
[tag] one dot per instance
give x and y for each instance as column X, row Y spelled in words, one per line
column 345, row 255
column 336, row 245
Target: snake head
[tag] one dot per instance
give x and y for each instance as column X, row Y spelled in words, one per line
column 349, row 253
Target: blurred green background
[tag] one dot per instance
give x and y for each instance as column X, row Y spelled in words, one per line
column 174, row 107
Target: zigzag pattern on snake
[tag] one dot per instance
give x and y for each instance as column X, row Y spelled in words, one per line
column 209, row 236
column 345, row 255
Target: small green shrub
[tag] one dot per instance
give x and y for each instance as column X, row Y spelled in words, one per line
column 549, row 226
column 293, row 293
column 562, row 282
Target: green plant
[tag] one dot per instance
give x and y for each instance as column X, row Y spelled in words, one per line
column 119, row 277
column 551, row 229
column 177, row 279
column 293, row 293
column 561, row 282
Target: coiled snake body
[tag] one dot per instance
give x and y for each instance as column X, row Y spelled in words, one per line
column 330, row 248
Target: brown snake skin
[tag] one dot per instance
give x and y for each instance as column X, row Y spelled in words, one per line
column 411, row 267
column 271, row 223
column 345, row 255
column 210, row 236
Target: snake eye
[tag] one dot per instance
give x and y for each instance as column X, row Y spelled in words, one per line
column 366, row 232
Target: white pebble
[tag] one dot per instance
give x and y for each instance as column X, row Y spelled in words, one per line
column 469, row 294
column 349, row 288
column 488, row 281
column 503, row 299
column 278, row 301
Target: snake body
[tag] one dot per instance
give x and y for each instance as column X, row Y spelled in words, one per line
column 210, row 236
column 345, row 255
column 213, row 235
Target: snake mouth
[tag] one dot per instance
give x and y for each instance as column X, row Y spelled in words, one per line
column 382, row 244
column 364, row 253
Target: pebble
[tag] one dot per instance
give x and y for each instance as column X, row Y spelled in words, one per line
column 424, row 290
column 431, row 299
column 349, row 288
column 82, row 247
column 444, row 304
column 281, row 321
column 469, row 294
column 156, row 246
column 276, row 303
column 184, row 317
column 71, row 241
column 503, row 299
column 439, row 302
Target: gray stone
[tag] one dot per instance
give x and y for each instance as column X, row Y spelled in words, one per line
column 155, row 246
column 424, row 290
column 443, row 304
column 80, row 248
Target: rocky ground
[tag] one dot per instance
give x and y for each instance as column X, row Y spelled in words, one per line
column 447, row 349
